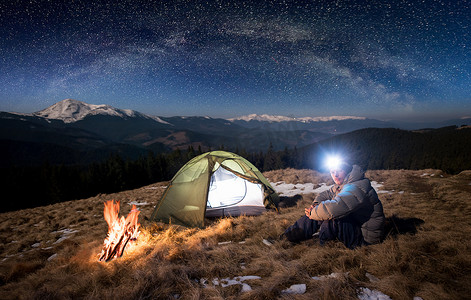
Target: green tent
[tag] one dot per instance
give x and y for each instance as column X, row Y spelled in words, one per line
column 213, row 184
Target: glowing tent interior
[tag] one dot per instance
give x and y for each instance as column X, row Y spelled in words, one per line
column 214, row 184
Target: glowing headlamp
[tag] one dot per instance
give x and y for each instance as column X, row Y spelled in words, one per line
column 333, row 162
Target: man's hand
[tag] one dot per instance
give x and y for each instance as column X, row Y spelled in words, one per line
column 307, row 211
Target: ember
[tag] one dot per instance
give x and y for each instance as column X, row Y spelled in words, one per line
column 120, row 230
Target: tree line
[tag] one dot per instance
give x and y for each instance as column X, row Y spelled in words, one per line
column 446, row 149
column 30, row 186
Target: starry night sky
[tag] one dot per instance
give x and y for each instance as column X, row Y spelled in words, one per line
column 380, row 59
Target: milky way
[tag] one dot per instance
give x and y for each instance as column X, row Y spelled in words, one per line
column 384, row 59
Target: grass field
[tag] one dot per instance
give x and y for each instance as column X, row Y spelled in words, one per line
column 51, row 252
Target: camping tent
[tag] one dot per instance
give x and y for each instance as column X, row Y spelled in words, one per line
column 213, row 184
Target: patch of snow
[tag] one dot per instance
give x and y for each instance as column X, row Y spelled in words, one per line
column 237, row 280
column 266, row 242
column 228, row 282
column 371, row 277
column 224, row 243
column 61, row 239
column 295, row 289
column 35, row 245
column 8, row 256
column 138, row 203
column 332, row 275
column 66, row 231
column 52, row 257
column 242, row 242
column 225, row 282
column 128, row 112
column 290, row 189
column 246, row 287
column 158, row 120
column 156, row 187
column 376, row 185
column 417, row 298
column 65, row 234
column 367, row 294
column 248, row 277
column 429, row 174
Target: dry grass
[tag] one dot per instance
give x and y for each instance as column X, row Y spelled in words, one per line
column 51, row 252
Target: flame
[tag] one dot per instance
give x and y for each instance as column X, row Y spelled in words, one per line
column 120, row 230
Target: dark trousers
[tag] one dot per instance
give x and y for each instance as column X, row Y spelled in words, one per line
column 344, row 229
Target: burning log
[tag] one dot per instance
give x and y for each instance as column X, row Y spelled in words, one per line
column 120, row 230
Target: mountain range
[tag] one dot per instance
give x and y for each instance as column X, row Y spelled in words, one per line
column 72, row 131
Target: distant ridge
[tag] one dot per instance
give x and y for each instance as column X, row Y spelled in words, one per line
column 90, row 126
column 272, row 118
column 72, row 111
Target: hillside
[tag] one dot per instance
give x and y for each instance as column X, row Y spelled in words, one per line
column 51, row 252
column 390, row 148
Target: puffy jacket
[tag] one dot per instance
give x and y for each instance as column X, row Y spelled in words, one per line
column 356, row 198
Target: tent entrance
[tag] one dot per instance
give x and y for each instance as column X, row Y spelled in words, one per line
column 230, row 194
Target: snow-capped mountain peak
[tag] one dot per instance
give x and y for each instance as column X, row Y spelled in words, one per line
column 272, row 119
column 70, row 110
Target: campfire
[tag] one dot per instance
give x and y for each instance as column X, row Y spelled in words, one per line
column 120, row 230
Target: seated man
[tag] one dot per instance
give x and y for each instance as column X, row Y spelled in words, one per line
column 350, row 211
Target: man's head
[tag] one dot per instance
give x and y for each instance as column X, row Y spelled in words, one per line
column 340, row 172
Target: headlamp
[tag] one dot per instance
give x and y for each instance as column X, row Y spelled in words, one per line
column 333, row 162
